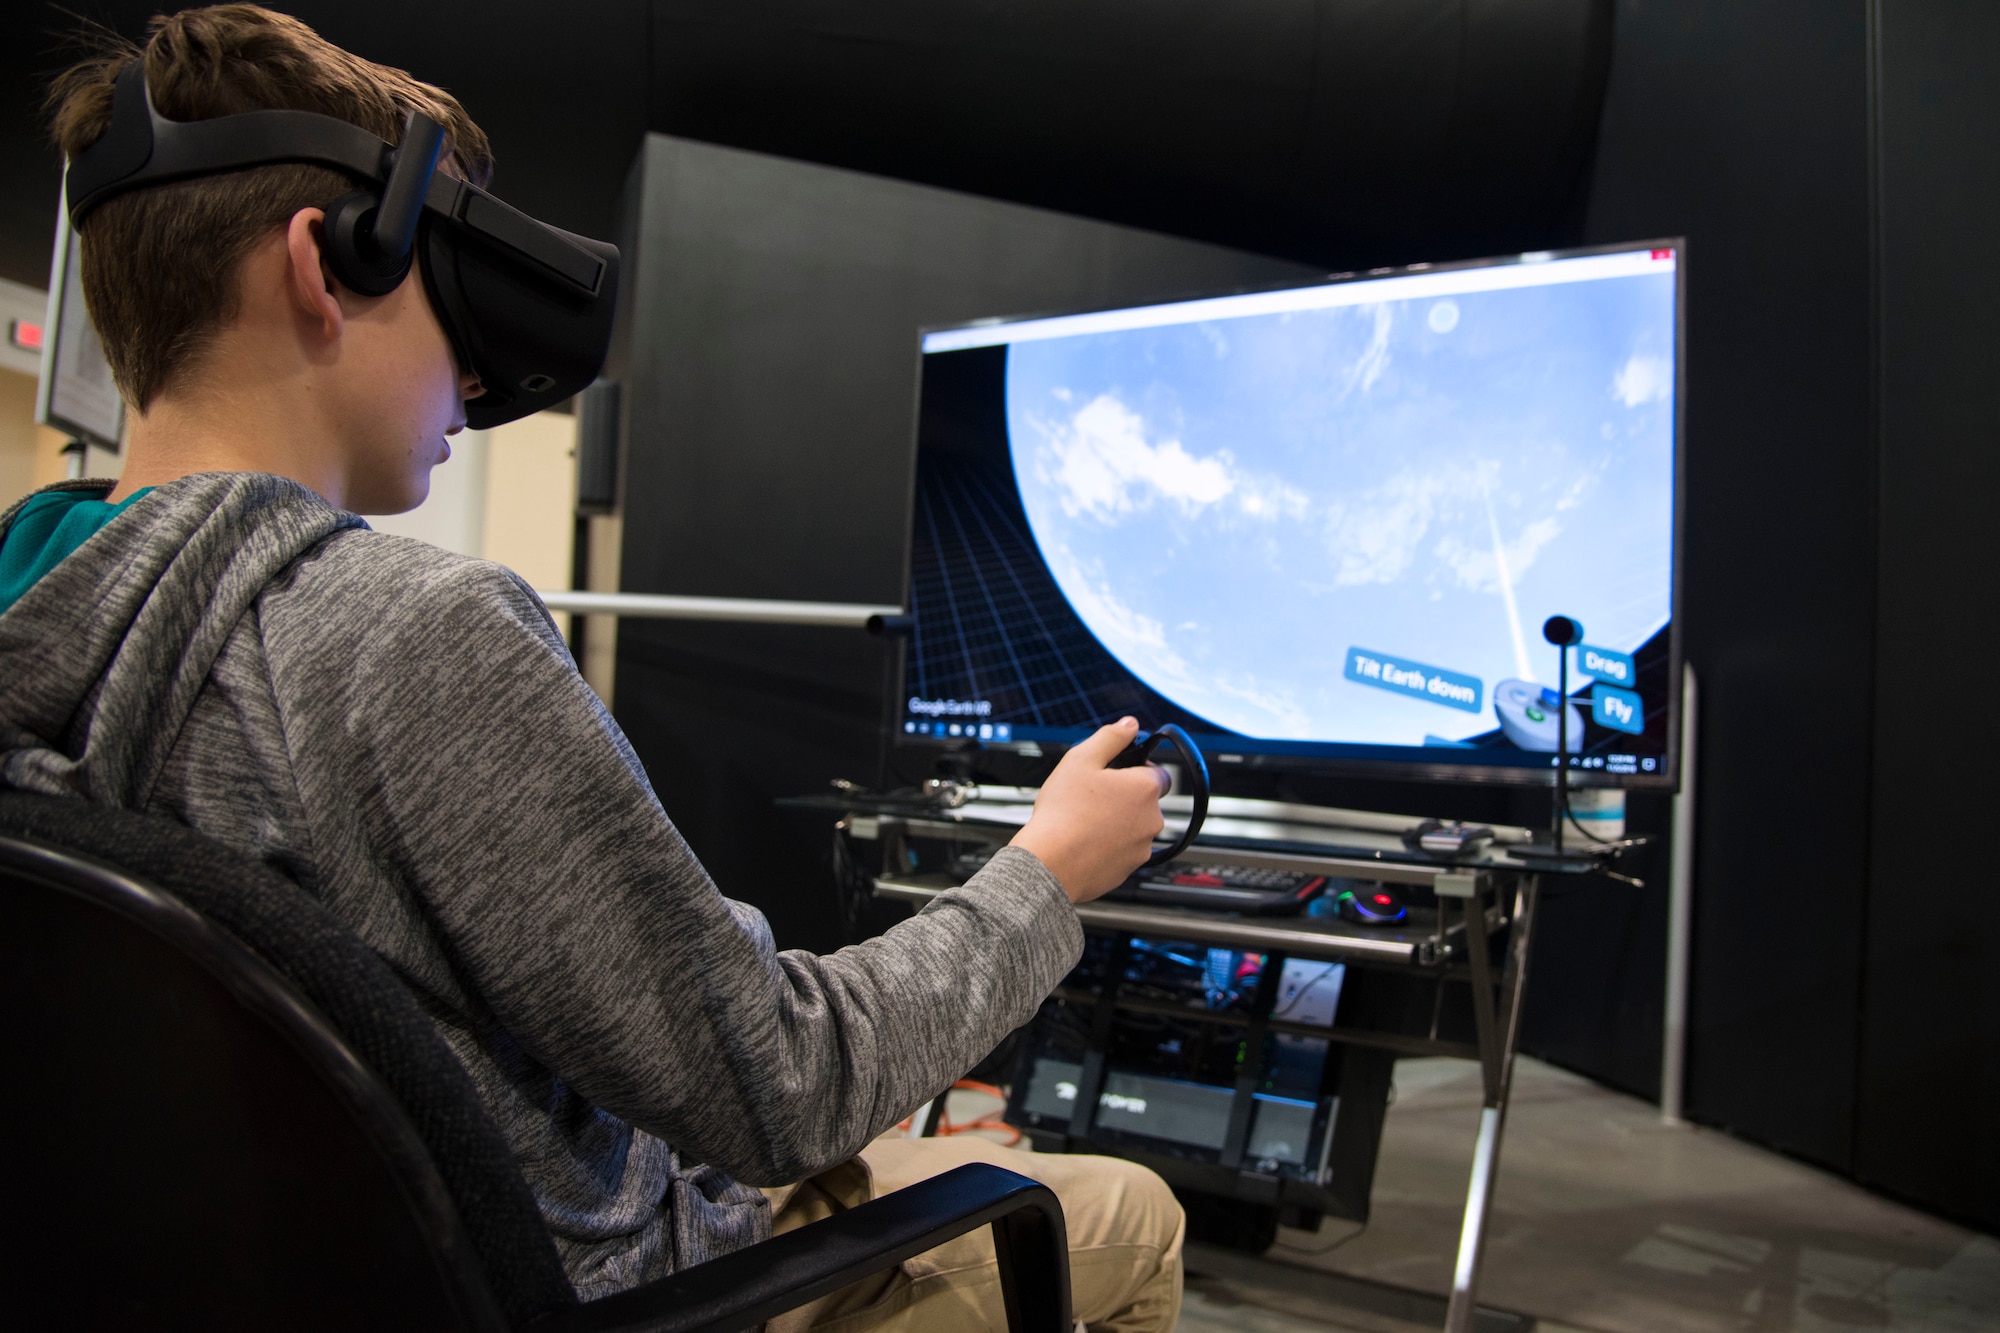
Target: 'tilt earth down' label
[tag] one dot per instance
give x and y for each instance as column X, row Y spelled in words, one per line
column 1387, row 672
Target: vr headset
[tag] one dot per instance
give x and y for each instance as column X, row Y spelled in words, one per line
column 527, row 306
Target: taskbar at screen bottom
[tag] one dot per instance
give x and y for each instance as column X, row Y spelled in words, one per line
column 1231, row 750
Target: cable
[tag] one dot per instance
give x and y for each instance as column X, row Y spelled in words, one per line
column 1325, row 972
column 1361, row 1230
column 974, row 1085
column 1570, row 815
column 1618, row 846
column 853, row 885
column 946, row 1126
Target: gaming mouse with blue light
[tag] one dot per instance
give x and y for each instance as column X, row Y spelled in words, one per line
column 1374, row 905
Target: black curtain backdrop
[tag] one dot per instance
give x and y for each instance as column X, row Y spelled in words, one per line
column 1743, row 129
column 1929, row 1079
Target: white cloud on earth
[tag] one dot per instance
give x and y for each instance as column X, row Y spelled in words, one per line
column 1132, row 636
column 1140, row 641
column 1478, row 571
column 1101, row 463
column 1124, row 629
column 1104, row 464
column 1643, row 379
column 1572, row 496
column 1374, row 539
column 1287, row 718
column 1267, row 497
column 1369, row 366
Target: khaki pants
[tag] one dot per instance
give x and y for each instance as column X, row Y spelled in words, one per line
column 1124, row 1243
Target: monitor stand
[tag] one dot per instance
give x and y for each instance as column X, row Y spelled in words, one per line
column 1478, row 894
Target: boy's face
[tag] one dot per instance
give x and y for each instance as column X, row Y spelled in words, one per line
column 402, row 394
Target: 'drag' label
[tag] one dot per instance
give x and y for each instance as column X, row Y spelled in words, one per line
column 1617, row 709
column 1603, row 664
column 1453, row 689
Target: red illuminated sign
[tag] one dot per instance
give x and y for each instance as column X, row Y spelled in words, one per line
column 28, row 335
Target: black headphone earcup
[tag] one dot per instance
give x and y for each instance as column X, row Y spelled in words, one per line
column 350, row 247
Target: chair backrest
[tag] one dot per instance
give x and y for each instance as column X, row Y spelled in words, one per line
column 224, row 1111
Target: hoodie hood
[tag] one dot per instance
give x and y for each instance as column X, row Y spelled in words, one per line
column 103, row 659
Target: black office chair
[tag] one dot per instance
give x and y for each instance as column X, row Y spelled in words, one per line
column 223, row 1111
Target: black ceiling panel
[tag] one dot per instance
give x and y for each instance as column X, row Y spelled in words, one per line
column 564, row 101
column 1338, row 132
column 1333, row 131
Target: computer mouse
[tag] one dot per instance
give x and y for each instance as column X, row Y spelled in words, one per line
column 1374, row 905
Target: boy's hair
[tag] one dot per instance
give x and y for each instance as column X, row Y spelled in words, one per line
column 161, row 265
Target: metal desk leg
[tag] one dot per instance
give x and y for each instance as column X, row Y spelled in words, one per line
column 1493, row 1113
column 1485, row 1023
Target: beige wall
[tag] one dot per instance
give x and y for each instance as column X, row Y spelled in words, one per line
column 30, row 455
column 528, row 521
column 506, row 495
column 600, row 641
column 530, row 472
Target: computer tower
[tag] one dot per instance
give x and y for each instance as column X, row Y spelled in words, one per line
column 1208, row 1065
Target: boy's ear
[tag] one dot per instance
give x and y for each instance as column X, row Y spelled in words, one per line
column 313, row 287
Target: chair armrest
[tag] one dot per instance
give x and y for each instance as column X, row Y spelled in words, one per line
column 741, row 1290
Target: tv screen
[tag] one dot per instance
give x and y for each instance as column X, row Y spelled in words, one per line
column 1315, row 526
column 76, row 393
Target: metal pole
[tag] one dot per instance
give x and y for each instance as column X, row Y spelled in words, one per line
column 1463, row 1312
column 743, row 610
column 1562, row 740
column 1680, row 915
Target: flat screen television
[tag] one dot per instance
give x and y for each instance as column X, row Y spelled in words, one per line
column 1318, row 526
column 76, row 393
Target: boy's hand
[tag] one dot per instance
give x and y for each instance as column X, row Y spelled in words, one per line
column 1094, row 825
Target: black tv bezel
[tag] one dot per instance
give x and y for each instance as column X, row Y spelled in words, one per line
column 894, row 740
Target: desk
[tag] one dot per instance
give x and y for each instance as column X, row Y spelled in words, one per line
column 1478, row 896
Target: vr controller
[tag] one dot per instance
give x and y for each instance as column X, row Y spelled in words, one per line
column 1141, row 751
column 527, row 306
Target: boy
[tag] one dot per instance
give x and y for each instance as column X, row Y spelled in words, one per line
column 219, row 639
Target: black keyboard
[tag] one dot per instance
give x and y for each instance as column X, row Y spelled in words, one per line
column 1253, row 889
column 1222, row 888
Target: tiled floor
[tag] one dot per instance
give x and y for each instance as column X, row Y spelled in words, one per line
column 1605, row 1221
column 1206, row 1311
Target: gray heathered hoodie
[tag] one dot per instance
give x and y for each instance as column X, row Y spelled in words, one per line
column 401, row 731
